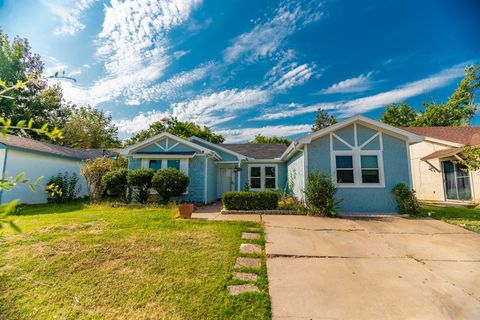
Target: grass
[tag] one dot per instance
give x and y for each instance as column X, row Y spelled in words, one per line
column 468, row 218
column 96, row 262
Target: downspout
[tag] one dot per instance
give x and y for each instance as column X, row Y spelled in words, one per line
column 238, row 174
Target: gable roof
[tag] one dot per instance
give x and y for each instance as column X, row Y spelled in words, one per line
column 45, row 147
column 461, row 135
column 131, row 149
column 217, row 146
column 257, row 150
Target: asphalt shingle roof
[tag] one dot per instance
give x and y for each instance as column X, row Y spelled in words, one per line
column 257, row 150
column 462, row 135
column 29, row 144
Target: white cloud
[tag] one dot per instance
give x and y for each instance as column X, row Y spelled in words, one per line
column 294, row 77
column 294, row 109
column 403, row 92
column 134, row 47
column 219, row 107
column 267, row 36
column 357, row 84
column 244, row 134
column 140, row 122
column 69, row 14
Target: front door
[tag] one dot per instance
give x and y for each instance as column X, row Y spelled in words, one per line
column 456, row 182
column 225, row 180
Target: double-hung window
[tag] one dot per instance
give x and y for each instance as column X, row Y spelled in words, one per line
column 262, row 176
column 358, row 169
column 155, row 164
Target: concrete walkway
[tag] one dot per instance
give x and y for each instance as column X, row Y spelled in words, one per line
column 388, row 268
column 212, row 212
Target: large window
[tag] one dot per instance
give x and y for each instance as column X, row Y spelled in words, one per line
column 155, row 164
column 262, row 176
column 355, row 169
column 173, row 164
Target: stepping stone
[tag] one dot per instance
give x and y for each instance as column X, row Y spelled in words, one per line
column 253, row 229
column 234, row 290
column 245, row 276
column 250, row 236
column 248, row 262
column 250, row 248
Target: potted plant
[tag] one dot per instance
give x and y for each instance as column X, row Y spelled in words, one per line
column 172, row 183
column 185, row 210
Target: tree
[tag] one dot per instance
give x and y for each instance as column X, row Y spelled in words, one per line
column 273, row 139
column 457, row 111
column 93, row 172
column 470, row 158
column 89, row 127
column 323, row 120
column 182, row 129
column 170, row 183
column 36, row 100
column 399, row 115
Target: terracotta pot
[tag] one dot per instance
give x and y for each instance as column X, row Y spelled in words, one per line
column 185, row 210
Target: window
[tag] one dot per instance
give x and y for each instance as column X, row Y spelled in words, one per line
column 255, row 178
column 155, row 164
column 370, row 173
column 173, row 164
column 263, row 177
column 344, row 169
column 358, row 168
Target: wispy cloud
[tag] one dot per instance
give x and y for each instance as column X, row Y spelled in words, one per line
column 134, row 47
column 140, row 122
column 268, row 35
column 294, row 109
column 357, row 84
column 244, row 134
column 69, row 13
column 297, row 76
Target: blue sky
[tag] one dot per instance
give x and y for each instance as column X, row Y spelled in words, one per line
column 246, row 67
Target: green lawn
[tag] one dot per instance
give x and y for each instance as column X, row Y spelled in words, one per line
column 96, row 262
column 468, row 218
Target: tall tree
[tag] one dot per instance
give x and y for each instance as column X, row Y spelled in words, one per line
column 89, row 127
column 323, row 120
column 399, row 115
column 38, row 100
column 457, row 111
column 273, row 139
column 182, row 129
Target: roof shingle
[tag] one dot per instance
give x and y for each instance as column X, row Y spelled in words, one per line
column 462, row 135
column 257, row 150
column 45, row 147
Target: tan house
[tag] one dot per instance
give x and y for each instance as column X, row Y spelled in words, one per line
column 436, row 177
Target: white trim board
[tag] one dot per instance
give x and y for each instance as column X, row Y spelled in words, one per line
column 262, row 175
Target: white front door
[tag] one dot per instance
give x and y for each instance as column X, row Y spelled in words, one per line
column 225, row 181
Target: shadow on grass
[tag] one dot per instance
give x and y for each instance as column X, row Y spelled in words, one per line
column 35, row 209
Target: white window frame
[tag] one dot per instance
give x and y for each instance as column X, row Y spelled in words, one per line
column 183, row 163
column 262, row 176
column 357, row 168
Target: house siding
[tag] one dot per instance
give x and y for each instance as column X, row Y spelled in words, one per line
column 211, row 181
column 295, row 171
column 196, row 186
column 35, row 165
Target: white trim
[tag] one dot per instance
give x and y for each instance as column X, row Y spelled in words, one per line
column 238, row 175
column 213, row 145
column 264, row 160
column 405, row 135
column 345, row 142
column 410, row 172
column 162, row 156
column 262, row 175
column 370, row 140
column 357, row 168
column 205, row 193
column 305, row 166
column 443, row 142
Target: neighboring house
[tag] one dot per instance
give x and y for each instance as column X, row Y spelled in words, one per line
column 366, row 159
column 436, row 176
column 38, row 159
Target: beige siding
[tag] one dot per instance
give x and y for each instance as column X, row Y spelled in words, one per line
column 428, row 177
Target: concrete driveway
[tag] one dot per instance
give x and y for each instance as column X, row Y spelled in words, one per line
column 384, row 268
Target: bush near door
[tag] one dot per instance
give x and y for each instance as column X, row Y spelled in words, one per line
column 250, row 200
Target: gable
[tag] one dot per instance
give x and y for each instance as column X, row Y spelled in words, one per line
column 356, row 136
column 165, row 145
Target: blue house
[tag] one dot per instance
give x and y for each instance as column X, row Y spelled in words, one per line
column 364, row 157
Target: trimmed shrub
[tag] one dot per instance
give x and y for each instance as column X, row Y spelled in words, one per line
column 115, row 184
column 250, row 200
column 320, row 195
column 169, row 183
column 141, row 181
column 407, row 202
column 93, row 171
column 66, row 187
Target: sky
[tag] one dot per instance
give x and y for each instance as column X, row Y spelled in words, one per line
column 244, row 67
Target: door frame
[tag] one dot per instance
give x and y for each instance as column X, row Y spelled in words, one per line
column 444, row 178
column 220, row 182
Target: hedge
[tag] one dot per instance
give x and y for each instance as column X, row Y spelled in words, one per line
column 249, row 200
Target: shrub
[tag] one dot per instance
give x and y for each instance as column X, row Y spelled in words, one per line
column 66, row 187
column 93, row 171
column 141, row 181
column 407, row 202
column 115, row 184
column 169, row 183
column 249, row 200
column 291, row 203
column 320, row 195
